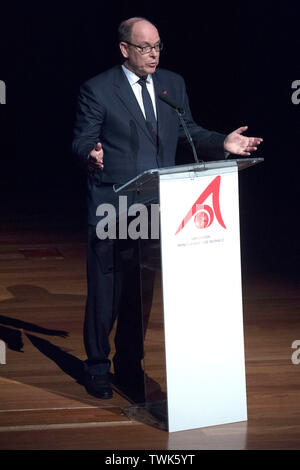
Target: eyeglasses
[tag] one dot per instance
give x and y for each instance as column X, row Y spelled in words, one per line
column 147, row 49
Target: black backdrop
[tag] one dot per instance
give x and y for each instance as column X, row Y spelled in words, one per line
column 239, row 60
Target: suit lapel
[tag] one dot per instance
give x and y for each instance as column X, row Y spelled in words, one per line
column 164, row 113
column 161, row 110
column 126, row 95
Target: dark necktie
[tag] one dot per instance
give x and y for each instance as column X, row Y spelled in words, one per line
column 148, row 106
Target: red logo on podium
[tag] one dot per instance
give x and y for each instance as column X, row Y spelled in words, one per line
column 203, row 214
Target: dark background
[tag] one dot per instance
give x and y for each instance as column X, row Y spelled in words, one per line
column 239, row 60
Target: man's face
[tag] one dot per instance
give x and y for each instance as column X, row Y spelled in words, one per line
column 142, row 34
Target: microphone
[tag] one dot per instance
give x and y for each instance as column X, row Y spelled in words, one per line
column 180, row 111
column 171, row 103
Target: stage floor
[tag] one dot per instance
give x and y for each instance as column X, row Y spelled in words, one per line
column 44, row 406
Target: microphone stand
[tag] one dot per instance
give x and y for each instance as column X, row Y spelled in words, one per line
column 180, row 113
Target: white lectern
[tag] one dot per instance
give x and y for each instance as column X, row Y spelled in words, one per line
column 194, row 364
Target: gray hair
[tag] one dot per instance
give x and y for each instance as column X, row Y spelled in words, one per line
column 125, row 28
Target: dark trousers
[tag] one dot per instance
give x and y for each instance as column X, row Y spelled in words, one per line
column 113, row 282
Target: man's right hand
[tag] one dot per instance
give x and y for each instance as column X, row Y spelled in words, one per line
column 96, row 157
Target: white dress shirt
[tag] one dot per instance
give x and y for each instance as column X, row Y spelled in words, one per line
column 137, row 89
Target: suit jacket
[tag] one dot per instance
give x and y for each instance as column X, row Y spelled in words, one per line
column 108, row 112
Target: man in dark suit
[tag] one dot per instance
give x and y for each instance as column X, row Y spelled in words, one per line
column 121, row 130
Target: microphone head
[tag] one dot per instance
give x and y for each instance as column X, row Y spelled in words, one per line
column 171, row 102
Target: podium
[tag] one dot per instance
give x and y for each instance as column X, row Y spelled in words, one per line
column 194, row 360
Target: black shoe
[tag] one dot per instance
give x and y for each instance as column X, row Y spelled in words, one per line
column 98, row 386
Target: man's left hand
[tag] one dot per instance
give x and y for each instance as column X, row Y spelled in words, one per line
column 240, row 144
